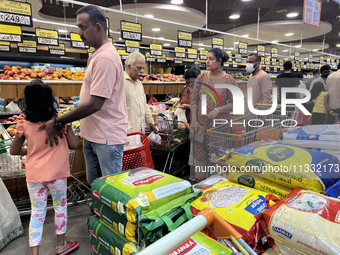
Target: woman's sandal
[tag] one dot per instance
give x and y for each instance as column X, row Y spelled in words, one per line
column 72, row 245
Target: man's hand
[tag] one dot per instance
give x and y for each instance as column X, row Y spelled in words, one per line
column 51, row 133
column 154, row 129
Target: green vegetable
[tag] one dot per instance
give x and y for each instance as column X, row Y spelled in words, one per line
column 310, row 204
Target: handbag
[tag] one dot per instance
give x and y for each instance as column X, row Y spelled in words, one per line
column 199, row 135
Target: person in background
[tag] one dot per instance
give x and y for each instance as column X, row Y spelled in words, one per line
column 309, row 105
column 287, row 80
column 320, row 97
column 184, row 99
column 302, row 84
column 138, row 111
column 259, row 81
column 102, row 109
column 325, row 70
column 215, row 75
column 333, row 87
column 47, row 168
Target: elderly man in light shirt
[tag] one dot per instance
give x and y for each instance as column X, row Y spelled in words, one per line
column 333, row 87
column 138, row 111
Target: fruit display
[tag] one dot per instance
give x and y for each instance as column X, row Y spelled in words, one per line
column 75, row 124
column 164, row 77
column 12, row 130
column 77, row 76
column 14, row 118
column 19, row 73
column 168, row 70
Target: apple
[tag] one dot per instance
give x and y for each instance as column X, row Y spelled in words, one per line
column 10, row 78
column 10, row 119
column 34, row 75
column 43, row 79
column 10, row 73
column 13, row 133
column 9, row 129
column 19, row 67
column 41, row 75
column 50, row 71
column 16, row 78
column 15, row 117
column 55, row 75
column 24, row 71
column 7, row 67
column 15, row 75
column 27, row 78
column 22, row 115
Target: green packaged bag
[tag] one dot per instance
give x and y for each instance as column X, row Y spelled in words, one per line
column 152, row 225
column 136, row 192
column 107, row 240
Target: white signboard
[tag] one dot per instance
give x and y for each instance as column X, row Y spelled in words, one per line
column 312, row 12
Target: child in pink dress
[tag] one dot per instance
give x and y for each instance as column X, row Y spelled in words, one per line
column 47, row 168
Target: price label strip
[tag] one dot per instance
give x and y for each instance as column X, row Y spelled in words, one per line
column 161, row 59
column 16, row 13
column 180, row 52
column 131, row 46
column 123, row 54
column 156, row 49
column 238, row 58
column 47, row 37
column 178, row 61
column 192, row 54
column 27, row 46
column 261, row 50
column 243, row 48
column 131, row 31
column 57, row 50
column 10, row 33
column 77, row 42
column 274, row 52
column 217, row 43
column 297, row 56
column 184, row 39
column 203, row 54
column 5, row 46
column 149, row 57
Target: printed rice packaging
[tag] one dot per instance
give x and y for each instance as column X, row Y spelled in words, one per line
column 287, row 165
column 200, row 244
column 252, row 181
column 135, row 192
column 236, row 204
column 106, row 240
column 152, row 225
column 306, row 221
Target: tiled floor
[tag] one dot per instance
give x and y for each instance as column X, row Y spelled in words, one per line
column 76, row 230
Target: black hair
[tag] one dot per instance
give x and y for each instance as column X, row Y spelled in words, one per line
column 316, row 90
column 324, row 68
column 95, row 13
column 193, row 72
column 316, row 71
column 300, row 75
column 338, row 66
column 257, row 56
column 219, row 55
column 40, row 102
column 287, row 65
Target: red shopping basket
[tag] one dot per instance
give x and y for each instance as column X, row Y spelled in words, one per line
column 138, row 157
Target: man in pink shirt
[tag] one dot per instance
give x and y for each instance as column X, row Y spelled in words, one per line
column 102, row 108
column 259, row 81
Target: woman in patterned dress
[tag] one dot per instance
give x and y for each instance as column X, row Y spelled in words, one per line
column 215, row 75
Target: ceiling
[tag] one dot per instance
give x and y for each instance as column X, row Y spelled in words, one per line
column 273, row 21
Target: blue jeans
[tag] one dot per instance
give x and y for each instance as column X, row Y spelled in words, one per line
column 102, row 159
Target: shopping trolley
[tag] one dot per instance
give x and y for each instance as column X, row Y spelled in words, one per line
column 238, row 133
column 208, row 217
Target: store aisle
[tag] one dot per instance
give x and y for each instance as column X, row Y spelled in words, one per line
column 76, row 230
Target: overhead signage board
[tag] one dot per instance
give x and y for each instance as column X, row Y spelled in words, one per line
column 297, row 56
column 161, row 59
column 5, row 46
column 178, row 61
column 27, row 46
column 274, row 52
column 131, row 31
column 203, row 54
column 261, row 50
column 312, row 12
column 156, row 49
column 16, row 13
column 238, row 58
column 180, row 52
column 77, row 42
column 10, row 33
column 57, row 50
column 90, row 51
column 123, row 54
column 47, row 37
column 184, row 39
column 217, row 43
column 131, row 46
column 192, row 54
column 243, row 48
column 149, row 57
column 310, row 58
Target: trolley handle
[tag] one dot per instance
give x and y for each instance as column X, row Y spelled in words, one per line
column 137, row 133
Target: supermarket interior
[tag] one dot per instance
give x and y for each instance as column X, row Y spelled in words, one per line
column 170, row 127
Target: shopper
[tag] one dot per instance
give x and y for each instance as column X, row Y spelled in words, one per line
column 302, row 85
column 184, row 100
column 309, row 105
column 215, row 75
column 333, row 87
column 102, row 108
column 259, row 81
column 287, row 80
column 325, row 70
column 138, row 111
column 47, row 168
column 321, row 107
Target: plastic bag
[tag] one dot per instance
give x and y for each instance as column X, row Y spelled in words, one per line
column 180, row 117
column 156, row 108
column 155, row 138
column 132, row 142
column 13, row 107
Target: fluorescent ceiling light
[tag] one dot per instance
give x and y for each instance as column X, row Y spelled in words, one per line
column 228, row 51
column 166, row 44
column 245, row 35
column 155, row 29
column 62, row 31
column 338, row 45
column 292, row 15
column 285, row 51
column 200, row 44
column 298, row 46
column 236, row 42
column 231, row 48
column 176, row 1
column 234, row 16
column 148, row 16
column 245, row 0
column 120, row 39
column 200, row 48
column 160, row 38
column 315, row 49
column 289, row 34
column 275, row 41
